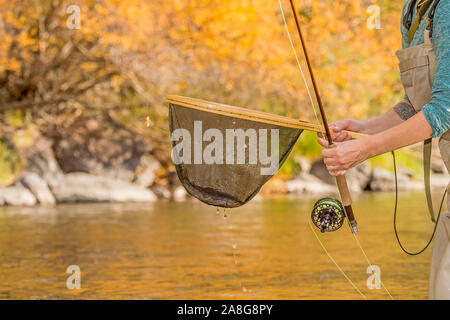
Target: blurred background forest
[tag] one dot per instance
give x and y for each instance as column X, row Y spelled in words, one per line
column 81, row 95
column 78, row 78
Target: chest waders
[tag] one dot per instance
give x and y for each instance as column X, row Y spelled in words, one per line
column 417, row 68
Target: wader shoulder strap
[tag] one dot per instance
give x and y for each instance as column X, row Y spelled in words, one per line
column 420, row 14
column 427, row 148
column 428, row 144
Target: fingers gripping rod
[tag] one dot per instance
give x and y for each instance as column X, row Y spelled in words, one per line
column 340, row 180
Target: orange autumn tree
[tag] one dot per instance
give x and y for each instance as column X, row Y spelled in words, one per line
column 239, row 53
column 126, row 56
column 228, row 50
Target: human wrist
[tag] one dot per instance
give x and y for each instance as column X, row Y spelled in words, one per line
column 369, row 147
column 361, row 126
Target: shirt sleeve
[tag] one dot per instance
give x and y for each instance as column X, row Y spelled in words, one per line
column 437, row 112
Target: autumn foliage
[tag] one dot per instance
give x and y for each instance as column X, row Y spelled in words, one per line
column 128, row 55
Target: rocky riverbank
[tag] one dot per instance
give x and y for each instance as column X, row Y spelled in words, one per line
column 92, row 162
column 316, row 180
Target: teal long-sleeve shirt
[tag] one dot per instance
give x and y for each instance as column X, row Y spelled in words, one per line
column 437, row 112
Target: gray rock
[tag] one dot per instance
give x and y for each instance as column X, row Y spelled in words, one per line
column 412, row 185
column 101, row 145
column 17, row 195
column 145, row 173
column 319, row 170
column 118, row 173
column 308, row 184
column 173, row 180
column 383, row 180
column 38, row 187
column 161, row 192
column 439, row 180
column 83, row 187
column 406, row 172
column 41, row 160
column 302, row 163
column 359, row 177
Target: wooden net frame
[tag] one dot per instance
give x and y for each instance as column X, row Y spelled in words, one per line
column 249, row 114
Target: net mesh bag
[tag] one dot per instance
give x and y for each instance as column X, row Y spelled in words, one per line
column 223, row 154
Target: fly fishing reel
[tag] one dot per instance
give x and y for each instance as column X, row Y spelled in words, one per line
column 328, row 214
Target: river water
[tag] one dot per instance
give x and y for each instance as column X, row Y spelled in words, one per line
column 264, row 250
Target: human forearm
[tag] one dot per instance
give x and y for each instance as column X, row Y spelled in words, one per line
column 350, row 153
column 381, row 123
column 411, row 131
column 401, row 112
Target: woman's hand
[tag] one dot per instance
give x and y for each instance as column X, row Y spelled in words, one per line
column 345, row 155
column 350, row 125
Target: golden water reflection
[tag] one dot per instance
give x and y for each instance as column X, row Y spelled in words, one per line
column 185, row 251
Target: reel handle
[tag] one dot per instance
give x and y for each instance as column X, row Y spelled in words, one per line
column 347, row 202
column 346, row 199
column 344, row 191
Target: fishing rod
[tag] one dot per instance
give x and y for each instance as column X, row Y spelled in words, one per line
column 328, row 213
column 327, row 216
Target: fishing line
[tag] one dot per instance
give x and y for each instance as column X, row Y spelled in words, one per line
column 335, row 263
column 298, row 62
column 370, row 264
column 395, row 216
column 318, row 121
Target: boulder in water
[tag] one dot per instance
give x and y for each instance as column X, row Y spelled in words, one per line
column 38, row 187
column 83, row 187
column 17, row 195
